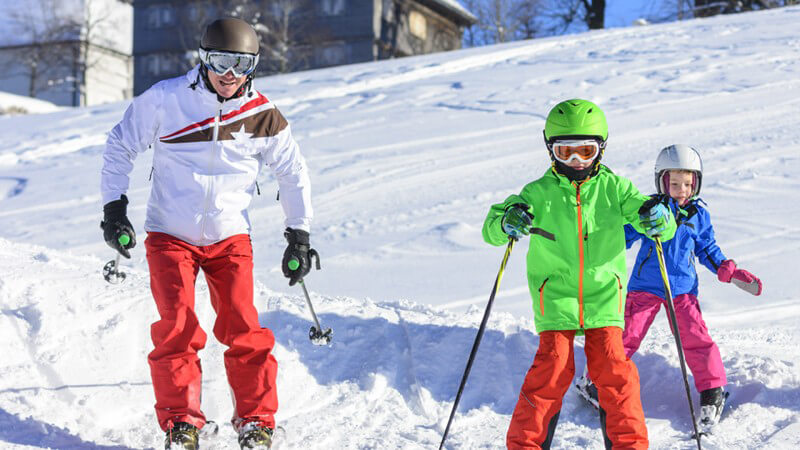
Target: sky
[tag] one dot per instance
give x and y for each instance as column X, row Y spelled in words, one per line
column 622, row 13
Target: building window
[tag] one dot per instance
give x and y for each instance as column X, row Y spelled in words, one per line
column 160, row 16
column 193, row 12
column 332, row 55
column 160, row 64
column 332, row 7
column 167, row 16
column 417, row 25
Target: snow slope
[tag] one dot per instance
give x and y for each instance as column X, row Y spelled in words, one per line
column 406, row 156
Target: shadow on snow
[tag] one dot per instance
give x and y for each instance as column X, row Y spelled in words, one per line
column 14, row 430
column 408, row 354
column 433, row 357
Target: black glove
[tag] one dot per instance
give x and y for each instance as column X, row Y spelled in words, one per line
column 297, row 257
column 116, row 225
column 651, row 202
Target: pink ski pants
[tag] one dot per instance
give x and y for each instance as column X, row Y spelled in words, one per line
column 702, row 354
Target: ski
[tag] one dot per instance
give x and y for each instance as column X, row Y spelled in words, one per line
column 588, row 391
column 278, row 437
column 210, row 429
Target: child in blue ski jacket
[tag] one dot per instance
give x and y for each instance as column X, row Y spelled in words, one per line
column 678, row 176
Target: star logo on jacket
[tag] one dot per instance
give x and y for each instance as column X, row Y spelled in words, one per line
column 241, row 136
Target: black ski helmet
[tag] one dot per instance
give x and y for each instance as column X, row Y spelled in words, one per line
column 230, row 35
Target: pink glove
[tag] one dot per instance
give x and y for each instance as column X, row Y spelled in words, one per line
column 743, row 279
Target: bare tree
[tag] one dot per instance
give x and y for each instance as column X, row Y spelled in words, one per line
column 44, row 32
column 687, row 9
column 60, row 43
column 595, row 14
column 528, row 19
column 563, row 14
column 705, row 8
column 284, row 30
column 502, row 21
column 473, row 35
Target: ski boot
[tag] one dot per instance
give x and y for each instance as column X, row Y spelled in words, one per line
column 588, row 391
column 182, row 436
column 712, row 401
column 255, row 436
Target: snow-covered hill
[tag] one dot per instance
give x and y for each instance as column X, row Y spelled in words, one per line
column 406, row 156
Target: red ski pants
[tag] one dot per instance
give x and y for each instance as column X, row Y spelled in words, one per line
column 536, row 414
column 702, row 354
column 177, row 336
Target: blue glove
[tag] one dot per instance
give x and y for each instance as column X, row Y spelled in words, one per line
column 517, row 220
column 654, row 217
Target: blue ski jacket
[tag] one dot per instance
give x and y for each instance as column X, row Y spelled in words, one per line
column 693, row 238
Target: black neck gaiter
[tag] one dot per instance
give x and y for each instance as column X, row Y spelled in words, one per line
column 573, row 174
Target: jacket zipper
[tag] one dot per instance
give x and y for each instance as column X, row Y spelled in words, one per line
column 217, row 119
column 649, row 252
column 619, row 283
column 541, row 296
column 580, row 255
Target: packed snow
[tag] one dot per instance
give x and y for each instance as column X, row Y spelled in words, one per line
column 406, row 156
column 18, row 104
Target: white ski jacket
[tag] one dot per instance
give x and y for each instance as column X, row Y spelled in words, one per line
column 206, row 157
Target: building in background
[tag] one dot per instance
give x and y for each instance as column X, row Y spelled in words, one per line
column 69, row 52
column 316, row 34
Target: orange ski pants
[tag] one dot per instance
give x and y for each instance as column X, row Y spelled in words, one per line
column 177, row 336
column 535, row 417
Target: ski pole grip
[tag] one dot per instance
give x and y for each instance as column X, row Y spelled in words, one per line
column 124, row 239
column 313, row 254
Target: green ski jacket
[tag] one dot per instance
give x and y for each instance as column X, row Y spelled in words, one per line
column 576, row 256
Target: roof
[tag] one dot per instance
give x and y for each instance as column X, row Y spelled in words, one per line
column 452, row 8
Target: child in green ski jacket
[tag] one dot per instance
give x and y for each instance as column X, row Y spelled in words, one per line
column 574, row 215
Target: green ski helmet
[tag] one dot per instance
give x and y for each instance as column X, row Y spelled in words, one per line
column 576, row 119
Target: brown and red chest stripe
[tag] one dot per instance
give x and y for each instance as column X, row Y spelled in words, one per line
column 258, row 118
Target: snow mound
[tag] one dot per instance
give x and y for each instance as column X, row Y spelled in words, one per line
column 386, row 381
column 19, row 104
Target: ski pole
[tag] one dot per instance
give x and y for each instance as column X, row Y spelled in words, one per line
column 478, row 338
column 315, row 334
column 675, row 332
column 111, row 272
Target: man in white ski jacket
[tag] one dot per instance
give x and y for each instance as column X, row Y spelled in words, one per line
column 210, row 132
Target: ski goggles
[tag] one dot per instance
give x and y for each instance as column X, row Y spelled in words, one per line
column 582, row 150
column 240, row 64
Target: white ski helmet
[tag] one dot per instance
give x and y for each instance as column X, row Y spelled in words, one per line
column 678, row 157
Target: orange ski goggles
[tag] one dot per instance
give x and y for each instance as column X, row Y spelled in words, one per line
column 583, row 150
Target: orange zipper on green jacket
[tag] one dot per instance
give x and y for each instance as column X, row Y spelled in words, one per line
column 580, row 256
